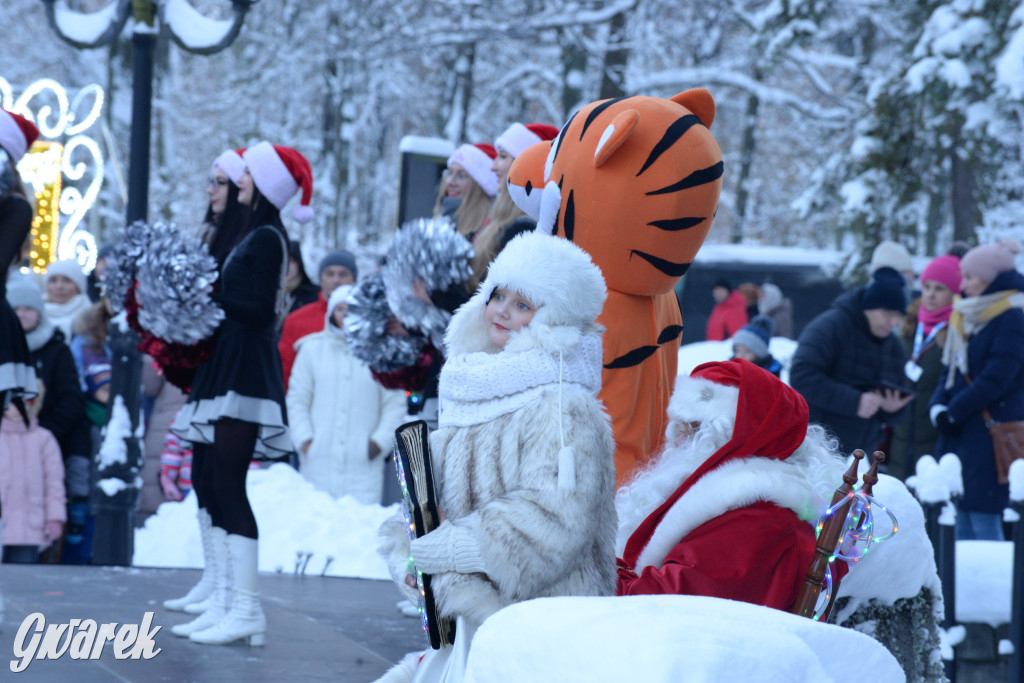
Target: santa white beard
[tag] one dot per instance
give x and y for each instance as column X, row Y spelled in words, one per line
column 654, row 484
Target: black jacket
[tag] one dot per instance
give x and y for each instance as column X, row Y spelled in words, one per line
column 837, row 360
column 63, row 410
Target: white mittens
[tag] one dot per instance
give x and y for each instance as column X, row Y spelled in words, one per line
column 448, row 548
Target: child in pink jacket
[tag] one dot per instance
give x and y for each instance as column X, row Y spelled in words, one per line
column 32, row 497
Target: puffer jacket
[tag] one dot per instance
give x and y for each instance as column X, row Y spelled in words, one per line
column 837, row 360
column 334, row 403
column 31, row 482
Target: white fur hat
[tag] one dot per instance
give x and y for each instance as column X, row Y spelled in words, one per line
column 553, row 273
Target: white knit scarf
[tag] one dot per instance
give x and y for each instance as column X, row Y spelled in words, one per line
column 478, row 387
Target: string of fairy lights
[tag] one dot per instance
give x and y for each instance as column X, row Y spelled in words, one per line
column 63, row 170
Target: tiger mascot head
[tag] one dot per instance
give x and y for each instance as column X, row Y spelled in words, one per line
column 634, row 181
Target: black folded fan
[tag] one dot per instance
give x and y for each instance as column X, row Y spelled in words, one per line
column 419, row 506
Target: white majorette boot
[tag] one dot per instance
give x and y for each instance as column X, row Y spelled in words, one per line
column 202, row 590
column 245, row 618
column 221, row 596
column 218, row 558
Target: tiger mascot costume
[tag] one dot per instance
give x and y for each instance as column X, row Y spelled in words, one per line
column 635, row 182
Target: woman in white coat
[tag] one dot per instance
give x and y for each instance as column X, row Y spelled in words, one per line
column 341, row 420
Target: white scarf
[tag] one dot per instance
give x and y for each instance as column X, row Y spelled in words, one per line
column 64, row 315
column 479, row 386
column 38, row 337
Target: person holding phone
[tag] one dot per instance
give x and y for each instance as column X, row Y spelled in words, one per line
column 849, row 364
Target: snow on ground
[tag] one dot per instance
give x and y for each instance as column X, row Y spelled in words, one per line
column 293, row 517
column 669, row 638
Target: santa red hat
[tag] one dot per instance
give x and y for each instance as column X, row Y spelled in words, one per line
column 518, row 137
column 770, row 422
column 477, row 160
column 16, row 134
column 230, row 161
column 279, row 173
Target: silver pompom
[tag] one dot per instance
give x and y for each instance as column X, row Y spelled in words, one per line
column 124, row 261
column 175, row 282
column 431, row 251
column 366, row 324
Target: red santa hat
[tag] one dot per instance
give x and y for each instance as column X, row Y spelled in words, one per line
column 518, row 137
column 230, row 161
column 279, row 173
column 770, row 422
column 477, row 160
column 17, row 134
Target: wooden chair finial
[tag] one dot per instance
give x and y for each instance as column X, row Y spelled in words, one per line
column 871, row 476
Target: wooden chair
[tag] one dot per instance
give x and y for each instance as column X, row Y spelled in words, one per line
column 832, row 535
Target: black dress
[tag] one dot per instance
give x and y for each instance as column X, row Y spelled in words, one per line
column 243, row 378
column 17, row 373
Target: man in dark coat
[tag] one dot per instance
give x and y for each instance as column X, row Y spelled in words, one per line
column 849, row 364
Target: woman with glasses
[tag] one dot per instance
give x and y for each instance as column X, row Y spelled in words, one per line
column 468, row 187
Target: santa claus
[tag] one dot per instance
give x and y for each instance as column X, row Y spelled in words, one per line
column 727, row 510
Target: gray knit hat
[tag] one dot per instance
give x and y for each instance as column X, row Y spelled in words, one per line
column 339, row 257
column 22, row 291
column 755, row 335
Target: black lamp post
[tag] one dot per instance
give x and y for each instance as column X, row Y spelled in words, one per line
column 114, row 503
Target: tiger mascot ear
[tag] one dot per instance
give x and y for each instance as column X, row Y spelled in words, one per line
column 700, row 102
column 617, row 132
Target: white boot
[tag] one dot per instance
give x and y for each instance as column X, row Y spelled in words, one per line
column 202, row 590
column 221, row 596
column 218, row 558
column 245, row 619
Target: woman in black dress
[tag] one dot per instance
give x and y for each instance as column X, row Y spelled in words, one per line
column 223, row 227
column 17, row 374
column 237, row 400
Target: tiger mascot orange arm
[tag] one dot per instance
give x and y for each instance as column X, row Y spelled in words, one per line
column 635, row 182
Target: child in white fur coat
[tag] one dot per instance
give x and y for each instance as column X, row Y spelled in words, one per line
column 523, row 455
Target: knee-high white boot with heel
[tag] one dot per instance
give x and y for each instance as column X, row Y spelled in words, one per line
column 202, row 590
column 245, row 618
column 220, row 597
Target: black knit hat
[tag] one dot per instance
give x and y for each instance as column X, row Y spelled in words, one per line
column 339, row 257
column 885, row 290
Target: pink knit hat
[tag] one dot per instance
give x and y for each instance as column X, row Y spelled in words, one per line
column 988, row 260
column 944, row 270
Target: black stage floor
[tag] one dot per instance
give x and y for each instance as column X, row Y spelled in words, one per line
column 319, row 629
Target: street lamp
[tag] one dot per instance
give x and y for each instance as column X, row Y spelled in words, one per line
column 117, row 491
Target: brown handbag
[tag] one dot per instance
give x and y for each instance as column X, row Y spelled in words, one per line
column 1007, row 443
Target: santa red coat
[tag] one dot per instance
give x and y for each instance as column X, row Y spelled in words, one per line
column 740, row 527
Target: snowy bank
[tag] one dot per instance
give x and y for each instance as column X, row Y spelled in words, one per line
column 669, row 638
column 294, row 519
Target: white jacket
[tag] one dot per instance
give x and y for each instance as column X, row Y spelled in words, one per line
column 334, row 402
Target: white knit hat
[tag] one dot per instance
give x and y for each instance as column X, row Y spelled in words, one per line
column 69, row 269
column 477, row 160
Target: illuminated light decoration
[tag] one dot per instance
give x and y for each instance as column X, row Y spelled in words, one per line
column 858, row 535
column 40, row 171
column 56, row 171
